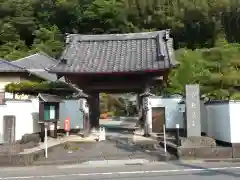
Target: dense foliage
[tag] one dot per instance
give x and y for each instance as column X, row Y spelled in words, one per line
column 27, row 26
column 217, row 70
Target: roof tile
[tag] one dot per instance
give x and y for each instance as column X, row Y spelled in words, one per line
column 117, row 53
column 37, row 64
column 6, row 66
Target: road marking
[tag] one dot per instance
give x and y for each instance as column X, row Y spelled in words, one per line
column 108, row 164
column 137, row 162
column 120, row 173
column 17, row 168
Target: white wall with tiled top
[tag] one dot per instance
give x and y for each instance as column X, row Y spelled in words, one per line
column 223, row 121
column 218, row 118
column 26, row 114
column 235, row 121
column 172, row 114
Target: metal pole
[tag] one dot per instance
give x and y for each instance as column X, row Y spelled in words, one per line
column 46, row 146
column 177, row 135
column 164, row 138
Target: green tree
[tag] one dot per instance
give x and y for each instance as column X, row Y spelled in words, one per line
column 49, row 40
column 191, row 70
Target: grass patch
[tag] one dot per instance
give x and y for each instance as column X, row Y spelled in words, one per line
column 71, row 147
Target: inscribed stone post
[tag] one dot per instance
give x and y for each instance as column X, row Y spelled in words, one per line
column 148, row 115
column 193, row 110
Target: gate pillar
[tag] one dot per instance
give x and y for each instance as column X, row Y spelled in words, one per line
column 146, row 111
column 94, row 110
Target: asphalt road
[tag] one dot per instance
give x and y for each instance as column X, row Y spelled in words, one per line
column 154, row 171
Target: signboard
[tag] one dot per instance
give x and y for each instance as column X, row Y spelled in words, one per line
column 67, row 125
column 181, row 107
column 52, row 112
column 193, row 110
column 49, row 112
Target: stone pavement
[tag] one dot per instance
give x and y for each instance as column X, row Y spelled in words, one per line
column 117, row 147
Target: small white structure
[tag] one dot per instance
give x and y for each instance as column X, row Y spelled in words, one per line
column 222, row 120
column 173, row 115
column 102, row 134
column 72, row 109
column 18, row 117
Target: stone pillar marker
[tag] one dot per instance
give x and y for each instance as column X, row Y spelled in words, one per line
column 148, row 115
column 147, row 110
column 193, row 123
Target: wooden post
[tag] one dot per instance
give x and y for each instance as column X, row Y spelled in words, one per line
column 45, row 141
column 94, row 110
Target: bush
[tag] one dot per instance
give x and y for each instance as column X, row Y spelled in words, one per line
column 71, row 146
column 30, row 138
column 110, row 114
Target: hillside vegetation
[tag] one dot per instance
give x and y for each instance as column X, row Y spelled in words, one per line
column 206, row 34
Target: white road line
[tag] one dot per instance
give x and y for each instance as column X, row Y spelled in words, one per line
column 87, row 164
column 17, row 169
column 120, row 173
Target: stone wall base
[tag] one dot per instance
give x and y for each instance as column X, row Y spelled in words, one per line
column 219, row 152
column 18, row 159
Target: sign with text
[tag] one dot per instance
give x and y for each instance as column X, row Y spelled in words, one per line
column 193, row 110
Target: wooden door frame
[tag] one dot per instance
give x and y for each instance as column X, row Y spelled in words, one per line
column 13, row 131
column 164, row 112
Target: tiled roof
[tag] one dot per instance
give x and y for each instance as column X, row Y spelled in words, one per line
column 149, row 51
column 6, row 66
column 49, row 98
column 37, row 64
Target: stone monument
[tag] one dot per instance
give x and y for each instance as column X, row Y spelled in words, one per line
column 193, row 123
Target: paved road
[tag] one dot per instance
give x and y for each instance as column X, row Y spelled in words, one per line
column 153, row 171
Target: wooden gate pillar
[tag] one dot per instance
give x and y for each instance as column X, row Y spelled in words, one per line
column 94, row 110
column 141, row 113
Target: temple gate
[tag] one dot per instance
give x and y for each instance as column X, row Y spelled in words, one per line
column 117, row 63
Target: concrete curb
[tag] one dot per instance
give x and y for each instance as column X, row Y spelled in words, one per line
column 134, row 162
column 111, row 163
column 117, row 162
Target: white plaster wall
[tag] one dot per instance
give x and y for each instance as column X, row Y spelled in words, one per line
column 172, row 114
column 235, row 121
column 4, row 80
column 71, row 109
column 26, row 113
column 218, row 116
